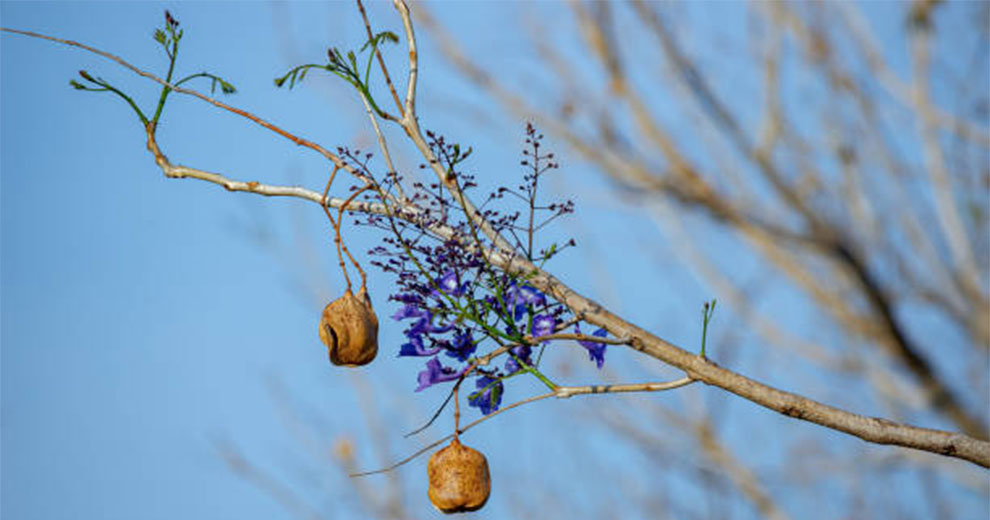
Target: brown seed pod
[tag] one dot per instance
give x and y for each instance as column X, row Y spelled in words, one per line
column 459, row 479
column 349, row 329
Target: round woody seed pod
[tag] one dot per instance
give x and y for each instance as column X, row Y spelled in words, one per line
column 459, row 479
column 349, row 329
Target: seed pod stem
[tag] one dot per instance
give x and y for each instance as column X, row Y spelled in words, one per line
column 336, row 223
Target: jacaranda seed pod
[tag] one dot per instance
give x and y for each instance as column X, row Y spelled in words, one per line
column 349, row 329
column 459, row 479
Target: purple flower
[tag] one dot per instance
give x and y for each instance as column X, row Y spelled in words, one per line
column 436, row 373
column 463, row 346
column 543, row 325
column 530, row 296
column 524, row 353
column 596, row 351
column 415, row 348
column 410, row 311
column 522, row 297
column 489, row 398
column 448, row 284
column 424, row 325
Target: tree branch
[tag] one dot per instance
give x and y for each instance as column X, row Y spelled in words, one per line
column 871, row 429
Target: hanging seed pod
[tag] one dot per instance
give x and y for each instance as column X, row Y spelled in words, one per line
column 349, row 329
column 459, row 479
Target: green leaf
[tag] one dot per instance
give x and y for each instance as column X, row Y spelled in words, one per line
column 227, row 88
column 298, row 73
column 160, row 36
column 388, row 36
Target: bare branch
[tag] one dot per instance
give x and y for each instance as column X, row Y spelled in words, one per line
column 946, row 208
column 562, row 392
column 870, row 429
column 278, row 130
column 410, row 102
column 182, row 172
column 381, row 62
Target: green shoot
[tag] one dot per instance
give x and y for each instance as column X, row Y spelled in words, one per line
column 707, row 311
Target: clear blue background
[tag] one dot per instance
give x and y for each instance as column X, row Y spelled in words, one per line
column 146, row 321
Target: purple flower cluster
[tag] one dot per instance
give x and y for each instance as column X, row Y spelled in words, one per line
column 451, row 298
column 445, row 318
column 428, row 335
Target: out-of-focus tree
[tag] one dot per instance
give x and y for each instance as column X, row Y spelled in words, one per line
column 833, row 152
column 816, row 155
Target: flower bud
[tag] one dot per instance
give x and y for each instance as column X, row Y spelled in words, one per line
column 459, row 479
column 349, row 329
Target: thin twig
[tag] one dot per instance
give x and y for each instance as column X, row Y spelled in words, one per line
column 451, row 436
column 383, row 145
column 337, row 161
column 562, row 392
column 338, row 242
column 947, row 212
column 410, row 124
column 435, row 415
column 381, row 62
column 578, row 337
column 480, row 361
column 269, row 190
column 409, row 111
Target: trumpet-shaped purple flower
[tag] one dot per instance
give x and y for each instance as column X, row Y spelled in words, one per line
column 463, row 346
column 415, row 347
column 521, row 297
column 424, row 320
column 543, row 325
column 410, row 310
column 489, row 397
column 448, row 284
column 436, row 373
column 424, row 325
column 596, row 351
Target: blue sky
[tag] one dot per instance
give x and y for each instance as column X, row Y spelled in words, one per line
column 145, row 319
